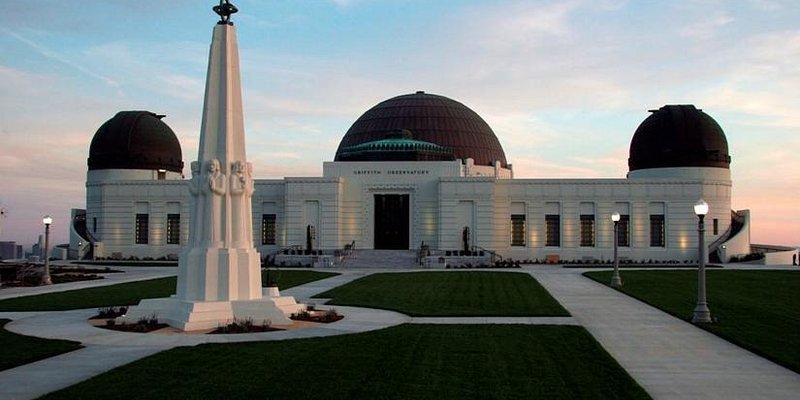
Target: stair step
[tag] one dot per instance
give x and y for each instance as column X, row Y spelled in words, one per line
column 381, row 259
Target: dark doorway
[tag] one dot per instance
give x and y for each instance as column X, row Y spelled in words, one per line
column 391, row 221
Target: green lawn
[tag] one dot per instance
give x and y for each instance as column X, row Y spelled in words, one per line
column 404, row 362
column 128, row 293
column 20, row 350
column 758, row 310
column 294, row 277
column 449, row 293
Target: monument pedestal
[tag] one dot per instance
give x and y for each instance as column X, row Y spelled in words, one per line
column 205, row 277
column 198, row 315
column 219, row 274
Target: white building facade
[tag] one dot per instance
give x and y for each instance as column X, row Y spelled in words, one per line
column 422, row 168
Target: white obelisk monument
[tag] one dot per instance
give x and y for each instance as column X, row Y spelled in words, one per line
column 219, row 272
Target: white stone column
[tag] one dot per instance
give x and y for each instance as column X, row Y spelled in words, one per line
column 219, row 272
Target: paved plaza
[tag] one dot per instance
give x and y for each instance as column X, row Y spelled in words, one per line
column 668, row 357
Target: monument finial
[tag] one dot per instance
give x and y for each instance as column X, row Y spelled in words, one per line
column 224, row 10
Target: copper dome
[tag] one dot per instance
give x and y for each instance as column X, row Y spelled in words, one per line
column 678, row 136
column 430, row 118
column 135, row 140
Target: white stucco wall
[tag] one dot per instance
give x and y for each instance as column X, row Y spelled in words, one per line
column 343, row 200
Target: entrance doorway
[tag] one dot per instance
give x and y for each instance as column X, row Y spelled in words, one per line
column 391, row 221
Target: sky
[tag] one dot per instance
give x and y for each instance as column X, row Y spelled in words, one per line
column 564, row 84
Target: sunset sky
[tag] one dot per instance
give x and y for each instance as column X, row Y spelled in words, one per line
column 563, row 84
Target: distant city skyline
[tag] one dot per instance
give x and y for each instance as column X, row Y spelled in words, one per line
column 563, row 84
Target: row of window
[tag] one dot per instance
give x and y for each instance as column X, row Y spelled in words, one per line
column 142, row 229
column 552, row 230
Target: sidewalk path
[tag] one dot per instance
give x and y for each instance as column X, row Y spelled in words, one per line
column 670, row 358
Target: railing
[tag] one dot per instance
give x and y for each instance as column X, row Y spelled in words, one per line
column 86, row 249
column 737, row 223
column 495, row 256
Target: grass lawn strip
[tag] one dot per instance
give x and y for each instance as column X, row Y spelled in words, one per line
column 20, row 350
column 404, row 362
column 757, row 310
column 449, row 294
column 128, row 293
column 290, row 278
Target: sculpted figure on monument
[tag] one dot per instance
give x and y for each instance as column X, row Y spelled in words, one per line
column 215, row 188
column 249, row 187
column 238, row 203
column 197, row 205
column 238, row 180
column 194, row 183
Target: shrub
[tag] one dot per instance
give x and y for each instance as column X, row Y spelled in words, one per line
column 244, row 325
column 330, row 315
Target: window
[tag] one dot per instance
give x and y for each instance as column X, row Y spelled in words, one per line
column 267, row 228
column 587, row 230
column 518, row 229
column 173, row 229
column 624, row 231
column 142, row 228
column 716, row 226
column 94, row 224
column 552, row 228
column 657, row 231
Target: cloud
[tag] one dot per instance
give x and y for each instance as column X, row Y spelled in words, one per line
column 764, row 81
column 706, row 28
column 343, row 3
column 54, row 55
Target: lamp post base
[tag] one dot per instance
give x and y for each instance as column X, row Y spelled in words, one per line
column 46, row 281
column 701, row 314
column 616, row 281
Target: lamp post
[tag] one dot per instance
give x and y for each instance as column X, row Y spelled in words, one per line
column 701, row 311
column 616, row 281
column 47, row 220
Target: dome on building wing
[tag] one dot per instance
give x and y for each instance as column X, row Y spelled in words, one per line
column 431, row 119
column 678, row 136
column 135, row 140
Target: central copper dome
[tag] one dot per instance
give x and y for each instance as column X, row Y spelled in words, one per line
column 430, row 118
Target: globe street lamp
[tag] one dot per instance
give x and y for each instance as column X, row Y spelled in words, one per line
column 701, row 311
column 47, row 220
column 616, row 281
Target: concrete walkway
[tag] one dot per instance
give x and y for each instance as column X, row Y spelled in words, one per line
column 670, row 358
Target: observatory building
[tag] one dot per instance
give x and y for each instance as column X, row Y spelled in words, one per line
column 423, row 168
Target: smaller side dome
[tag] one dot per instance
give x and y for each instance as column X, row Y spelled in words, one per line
column 678, row 136
column 135, row 140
